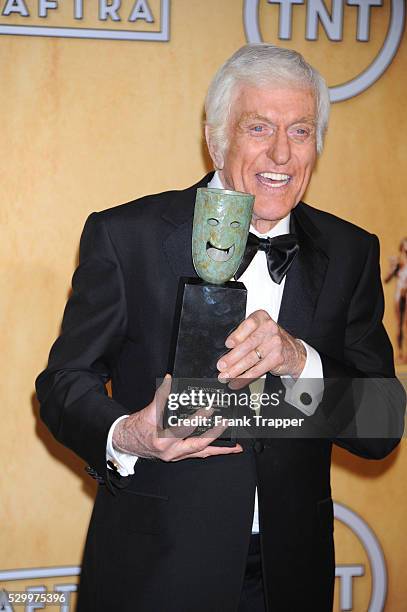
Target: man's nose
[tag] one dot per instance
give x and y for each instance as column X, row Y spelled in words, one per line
column 279, row 150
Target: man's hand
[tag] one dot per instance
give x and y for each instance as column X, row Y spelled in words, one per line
column 139, row 434
column 258, row 346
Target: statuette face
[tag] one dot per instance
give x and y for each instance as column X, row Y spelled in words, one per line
column 220, row 230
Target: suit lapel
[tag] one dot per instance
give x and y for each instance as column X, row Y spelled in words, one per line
column 177, row 248
column 177, row 244
column 305, row 278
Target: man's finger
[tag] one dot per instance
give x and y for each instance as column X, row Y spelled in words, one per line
column 247, row 327
column 242, row 332
column 257, row 371
column 259, row 360
column 182, row 430
column 160, row 399
column 210, row 451
column 239, row 360
column 199, row 443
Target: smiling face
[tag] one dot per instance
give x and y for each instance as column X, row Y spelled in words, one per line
column 272, row 149
column 219, row 234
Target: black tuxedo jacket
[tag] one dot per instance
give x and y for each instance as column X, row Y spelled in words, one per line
column 175, row 537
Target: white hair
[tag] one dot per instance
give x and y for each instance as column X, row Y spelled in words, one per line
column 262, row 65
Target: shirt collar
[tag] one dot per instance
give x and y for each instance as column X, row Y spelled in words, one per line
column 282, row 227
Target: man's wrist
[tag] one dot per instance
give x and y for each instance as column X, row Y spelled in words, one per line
column 301, row 359
column 118, row 459
column 120, row 437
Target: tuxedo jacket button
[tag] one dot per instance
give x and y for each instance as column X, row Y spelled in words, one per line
column 258, row 446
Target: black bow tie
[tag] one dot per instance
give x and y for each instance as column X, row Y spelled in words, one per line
column 280, row 252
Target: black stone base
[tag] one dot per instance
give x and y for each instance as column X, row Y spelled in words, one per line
column 205, row 315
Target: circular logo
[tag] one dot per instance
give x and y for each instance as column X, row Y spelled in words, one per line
column 366, row 78
column 373, row 550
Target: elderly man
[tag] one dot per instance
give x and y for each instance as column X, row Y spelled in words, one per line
column 176, row 525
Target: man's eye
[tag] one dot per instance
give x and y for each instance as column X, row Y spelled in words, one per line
column 258, row 129
column 300, row 133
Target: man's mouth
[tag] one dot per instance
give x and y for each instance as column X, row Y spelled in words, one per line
column 219, row 254
column 273, row 179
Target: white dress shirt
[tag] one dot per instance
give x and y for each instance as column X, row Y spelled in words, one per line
column 262, row 294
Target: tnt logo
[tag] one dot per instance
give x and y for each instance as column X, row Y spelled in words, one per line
column 320, row 17
column 350, row 573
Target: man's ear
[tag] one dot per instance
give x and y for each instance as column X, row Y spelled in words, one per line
column 215, row 154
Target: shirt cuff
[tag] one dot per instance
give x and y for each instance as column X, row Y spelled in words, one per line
column 305, row 393
column 124, row 462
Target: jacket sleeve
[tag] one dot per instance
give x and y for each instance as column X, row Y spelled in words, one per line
column 73, row 399
column 369, row 400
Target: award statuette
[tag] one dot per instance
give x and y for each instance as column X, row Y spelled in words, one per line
column 210, row 307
